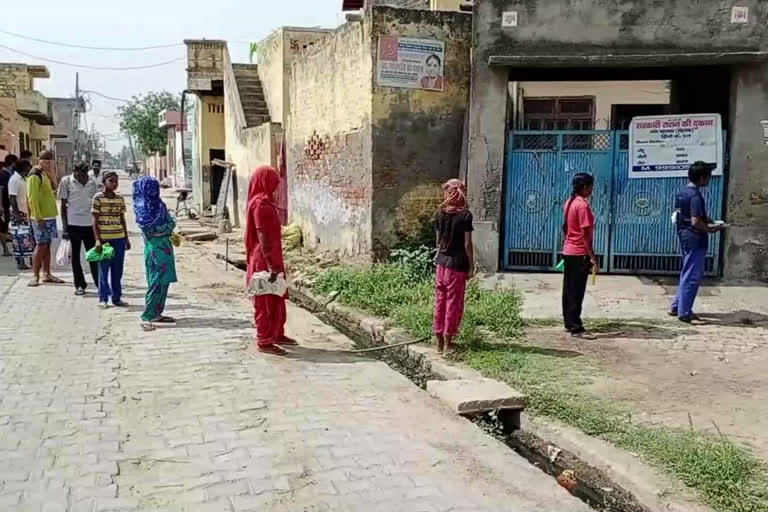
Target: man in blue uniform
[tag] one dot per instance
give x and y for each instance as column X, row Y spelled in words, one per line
column 693, row 229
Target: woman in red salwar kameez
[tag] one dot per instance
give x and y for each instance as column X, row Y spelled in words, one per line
column 264, row 252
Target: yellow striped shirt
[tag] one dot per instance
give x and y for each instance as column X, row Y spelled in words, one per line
column 110, row 212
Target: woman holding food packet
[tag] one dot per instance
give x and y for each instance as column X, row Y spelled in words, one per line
column 264, row 255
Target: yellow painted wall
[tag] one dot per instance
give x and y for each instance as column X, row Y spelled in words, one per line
column 210, row 136
column 212, row 128
column 606, row 94
column 446, row 5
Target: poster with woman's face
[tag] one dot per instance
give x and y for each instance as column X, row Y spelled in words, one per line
column 411, row 63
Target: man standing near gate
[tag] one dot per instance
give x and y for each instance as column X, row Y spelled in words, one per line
column 693, row 229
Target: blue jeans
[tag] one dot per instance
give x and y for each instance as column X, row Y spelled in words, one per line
column 111, row 273
column 690, row 279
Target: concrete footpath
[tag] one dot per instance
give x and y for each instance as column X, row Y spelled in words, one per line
column 615, row 296
column 97, row 415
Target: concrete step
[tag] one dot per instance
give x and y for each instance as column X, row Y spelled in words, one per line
column 247, row 74
column 251, row 114
column 256, row 120
column 252, row 103
column 249, row 85
column 248, row 79
column 251, row 92
column 245, row 67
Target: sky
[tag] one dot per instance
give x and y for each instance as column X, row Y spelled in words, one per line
column 140, row 23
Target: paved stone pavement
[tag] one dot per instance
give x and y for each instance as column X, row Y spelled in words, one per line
column 97, row 415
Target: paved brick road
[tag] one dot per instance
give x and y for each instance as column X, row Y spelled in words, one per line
column 97, row 415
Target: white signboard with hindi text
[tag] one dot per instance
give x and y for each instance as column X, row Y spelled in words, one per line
column 666, row 146
column 411, row 63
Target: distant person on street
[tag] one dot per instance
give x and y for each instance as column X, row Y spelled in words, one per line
column 20, row 231
column 76, row 193
column 264, row 252
column 455, row 263
column 6, row 172
column 578, row 253
column 109, row 226
column 41, row 202
column 693, row 229
column 156, row 225
column 96, row 171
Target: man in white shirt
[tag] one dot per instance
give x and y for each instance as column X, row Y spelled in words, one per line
column 76, row 193
column 23, row 242
column 17, row 189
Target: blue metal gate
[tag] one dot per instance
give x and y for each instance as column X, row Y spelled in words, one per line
column 633, row 232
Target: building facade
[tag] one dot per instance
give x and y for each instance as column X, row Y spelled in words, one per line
column 713, row 59
column 366, row 153
column 205, row 82
column 25, row 114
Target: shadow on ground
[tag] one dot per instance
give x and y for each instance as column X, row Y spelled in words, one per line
column 740, row 318
column 213, row 323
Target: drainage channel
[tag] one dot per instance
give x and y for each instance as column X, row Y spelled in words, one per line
column 582, row 480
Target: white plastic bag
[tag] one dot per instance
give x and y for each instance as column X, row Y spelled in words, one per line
column 260, row 285
column 64, row 253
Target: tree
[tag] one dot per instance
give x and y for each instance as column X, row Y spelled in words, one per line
column 140, row 119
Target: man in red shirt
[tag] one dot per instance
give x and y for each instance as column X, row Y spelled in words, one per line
column 578, row 253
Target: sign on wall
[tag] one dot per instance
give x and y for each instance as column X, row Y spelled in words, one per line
column 509, row 19
column 740, row 15
column 411, row 63
column 666, row 146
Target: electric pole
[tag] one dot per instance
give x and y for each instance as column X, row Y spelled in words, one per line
column 76, row 121
column 133, row 156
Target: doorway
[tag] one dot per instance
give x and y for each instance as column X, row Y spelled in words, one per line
column 217, row 174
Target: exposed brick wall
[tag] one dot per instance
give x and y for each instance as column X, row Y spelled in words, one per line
column 417, row 134
column 13, row 78
column 329, row 140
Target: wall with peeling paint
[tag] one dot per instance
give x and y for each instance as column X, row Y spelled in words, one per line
column 631, row 36
column 417, row 134
column 746, row 240
column 366, row 162
column 328, row 135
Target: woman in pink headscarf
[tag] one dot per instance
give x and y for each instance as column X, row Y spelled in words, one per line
column 264, row 252
column 455, row 263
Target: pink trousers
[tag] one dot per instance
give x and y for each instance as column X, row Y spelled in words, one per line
column 450, row 286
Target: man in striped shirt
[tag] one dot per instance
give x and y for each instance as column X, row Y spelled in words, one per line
column 108, row 212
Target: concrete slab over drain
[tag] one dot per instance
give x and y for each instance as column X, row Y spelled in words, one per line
column 477, row 395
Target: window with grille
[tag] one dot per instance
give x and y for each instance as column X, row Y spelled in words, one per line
column 548, row 114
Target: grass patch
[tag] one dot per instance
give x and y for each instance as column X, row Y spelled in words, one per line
column 394, row 291
column 727, row 475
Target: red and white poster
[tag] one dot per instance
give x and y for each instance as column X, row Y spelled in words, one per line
column 411, row 63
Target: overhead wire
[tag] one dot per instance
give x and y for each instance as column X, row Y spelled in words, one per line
column 105, row 96
column 85, row 47
column 97, row 68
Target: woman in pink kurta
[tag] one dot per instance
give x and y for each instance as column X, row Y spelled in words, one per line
column 455, row 263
